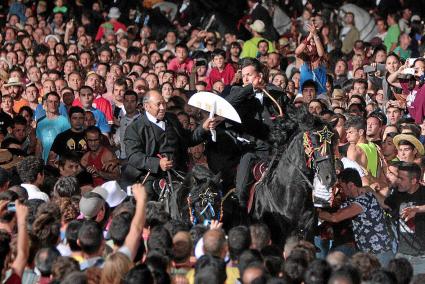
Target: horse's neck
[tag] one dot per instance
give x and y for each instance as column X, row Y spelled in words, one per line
column 292, row 161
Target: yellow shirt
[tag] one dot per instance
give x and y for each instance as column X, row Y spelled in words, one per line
column 231, row 272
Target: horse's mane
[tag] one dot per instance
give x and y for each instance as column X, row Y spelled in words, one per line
column 196, row 184
column 295, row 120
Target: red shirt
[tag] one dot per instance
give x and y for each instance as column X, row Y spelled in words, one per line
column 101, row 104
column 109, row 25
column 226, row 76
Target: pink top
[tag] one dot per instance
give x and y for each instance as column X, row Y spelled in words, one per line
column 176, row 66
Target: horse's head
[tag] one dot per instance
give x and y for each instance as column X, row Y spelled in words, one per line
column 204, row 200
column 318, row 148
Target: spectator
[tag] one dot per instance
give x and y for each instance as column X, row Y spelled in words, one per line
column 393, row 33
column 112, row 25
column 349, row 34
column 86, row 98
column 99, row 161
column 49, row 127
column 31, row 173
column 221, row 71
column 369, row 229
column 250, row 47
column 15, row 89
column 71, row 140
column 405, row 203
column 181, row 63
column 131, row 114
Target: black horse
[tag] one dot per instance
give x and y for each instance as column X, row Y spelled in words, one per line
column 303, row 150
column 199, row 197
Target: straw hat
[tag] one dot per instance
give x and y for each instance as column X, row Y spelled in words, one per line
column 410, row 138
column 13, row 81
column 7, row 159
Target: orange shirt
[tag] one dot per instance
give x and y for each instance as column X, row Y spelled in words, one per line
column 18, row 104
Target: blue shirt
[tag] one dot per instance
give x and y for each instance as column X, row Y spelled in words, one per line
column 318, row 75
column 40, row 112
column 101, row 121
column 48, row 129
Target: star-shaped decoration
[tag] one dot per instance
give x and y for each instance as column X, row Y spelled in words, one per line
column 325, row 135
column 207, row 197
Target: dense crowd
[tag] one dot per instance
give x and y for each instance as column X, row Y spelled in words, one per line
column 95, row 124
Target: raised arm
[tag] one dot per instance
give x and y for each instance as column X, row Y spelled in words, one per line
column 18, row 265
column 132, row 241
column 393, row 78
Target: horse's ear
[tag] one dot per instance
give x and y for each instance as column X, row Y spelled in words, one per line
column 334, row 122
column 217, row 178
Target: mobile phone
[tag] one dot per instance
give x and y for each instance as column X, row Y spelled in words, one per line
column 11, row 207
column 409, row 71
column 199, row 63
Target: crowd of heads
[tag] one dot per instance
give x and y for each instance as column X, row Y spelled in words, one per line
column 93, row 68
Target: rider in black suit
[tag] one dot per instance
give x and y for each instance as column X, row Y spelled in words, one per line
column 257, row 112
column 159, row 133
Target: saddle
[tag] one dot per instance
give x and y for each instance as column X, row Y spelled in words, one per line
column 257, row 172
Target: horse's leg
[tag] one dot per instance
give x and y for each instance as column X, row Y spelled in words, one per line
column 279, row 228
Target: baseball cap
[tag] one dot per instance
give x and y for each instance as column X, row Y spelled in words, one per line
column 114, row 194
column 91, row 203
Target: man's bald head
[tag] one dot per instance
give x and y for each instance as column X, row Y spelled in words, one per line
column 215, row 243
column 337, row 259
column 155, row 104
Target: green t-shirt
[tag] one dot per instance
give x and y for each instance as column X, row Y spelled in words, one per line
column 392, row 36
column 372, row 157
column 250, row 49
column 403, row 54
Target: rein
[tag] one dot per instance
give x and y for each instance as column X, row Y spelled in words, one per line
column 274, row 101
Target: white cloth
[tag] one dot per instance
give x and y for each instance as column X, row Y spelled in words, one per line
column 155, row 121
column 34, row 192
column 320, row 191
column 353, row 165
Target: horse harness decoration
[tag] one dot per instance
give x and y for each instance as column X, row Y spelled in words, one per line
column 325, row 138
column 207, row 201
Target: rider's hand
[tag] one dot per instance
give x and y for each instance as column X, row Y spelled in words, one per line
column 209, row 124
column 165, row 164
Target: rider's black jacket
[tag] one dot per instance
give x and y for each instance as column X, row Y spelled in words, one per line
column 257, row 115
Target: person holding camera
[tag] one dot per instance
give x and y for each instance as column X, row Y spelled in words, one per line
column 311, row 52
column 410, row 80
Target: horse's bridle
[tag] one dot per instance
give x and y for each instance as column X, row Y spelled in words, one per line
column 315, row 155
